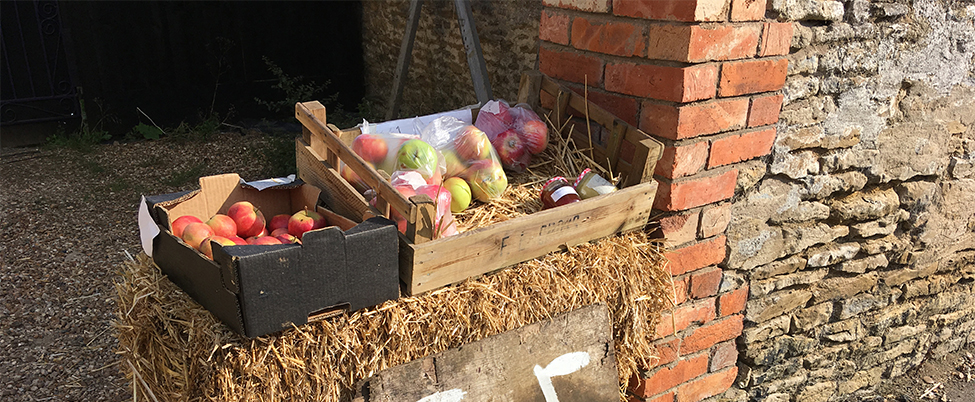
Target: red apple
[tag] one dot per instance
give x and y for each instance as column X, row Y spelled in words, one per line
column 371, row 148
column 181, row 223
column 263, row 240
column 287, row 238
column 511, row 150
column 278, row 221
column 222, row 226
column 250, row 221
column 238, row 240
column 303, row 221
column 535, row 135
column 350, row 176
column 279, row 231
column 207, row 249
column 472, row 144
column 195, row 233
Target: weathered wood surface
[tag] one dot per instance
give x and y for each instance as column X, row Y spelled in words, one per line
column 569, row 358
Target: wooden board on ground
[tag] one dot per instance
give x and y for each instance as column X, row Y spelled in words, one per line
column 569, row 358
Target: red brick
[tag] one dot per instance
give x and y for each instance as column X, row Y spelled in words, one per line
column 665, row 353
column 714, row 220
column 753, row 76
column 675, row 84
column 741, row 147
column 733, row 302
column 617, row 38
column 668, row 397
column 570, row 66
column 711, row 334
column 723, row 355
column 680, row 228
column 705, row 283
column 672, row 10
column 693, row 192
column 700, row 255
column 764, row 110
column 747, row 10
column 697, row 312
column 620, row 106
column 554, row 27
column 708, row 386
column 692, row 120
column 682, row 160
column 668, row 377
column 776, row 39
column 594, row 6
column 695, row 43
column 680, row 290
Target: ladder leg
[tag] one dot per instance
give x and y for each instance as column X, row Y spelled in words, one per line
column 403, row 63
column 475, row 57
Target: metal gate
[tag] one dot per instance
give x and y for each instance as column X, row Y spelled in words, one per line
column 36, row 82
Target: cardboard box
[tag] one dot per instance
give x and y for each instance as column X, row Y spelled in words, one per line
column 258, row 290
column 426, row 263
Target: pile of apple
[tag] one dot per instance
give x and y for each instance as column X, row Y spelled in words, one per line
column 515, row 132
column 450, row 161
column 244, row 224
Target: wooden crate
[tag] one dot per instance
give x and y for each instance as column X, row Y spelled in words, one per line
column 427, row 263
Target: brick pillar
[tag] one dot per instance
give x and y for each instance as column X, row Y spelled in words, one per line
column 703, row 76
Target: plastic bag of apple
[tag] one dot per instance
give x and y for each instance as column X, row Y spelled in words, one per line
column 516, row 133
column 447, row 148
column 244, row 224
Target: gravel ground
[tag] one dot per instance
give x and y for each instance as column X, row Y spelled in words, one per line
column 67, row 218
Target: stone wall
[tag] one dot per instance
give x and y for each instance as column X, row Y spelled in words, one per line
column 856, row 237
column 439, row 78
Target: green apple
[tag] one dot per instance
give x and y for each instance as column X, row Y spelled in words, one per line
column 460, row 194
column 487, row 180
column 419, row 156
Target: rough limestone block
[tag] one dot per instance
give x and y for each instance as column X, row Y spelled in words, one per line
column 812, row 317
column 866, row 205
column 844, row 331
column 821, row 186
column 764, row 287
column 799, row 237
column 839, row 288
column 820, row 392
column 780, row 267
column 861, row 303
column 861, row 265
column 897, row 334
column 775, row 304
column 831, row 254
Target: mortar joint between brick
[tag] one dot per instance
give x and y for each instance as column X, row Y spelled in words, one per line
column 717, row 171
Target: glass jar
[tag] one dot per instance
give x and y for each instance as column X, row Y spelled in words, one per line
column 558, row 192
column 589, row 184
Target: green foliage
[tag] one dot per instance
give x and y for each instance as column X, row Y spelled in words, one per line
column 280, row 156
column 200, row 132
column 295, row 89
column 87, row 136
column 146, row 131
column 189, row 175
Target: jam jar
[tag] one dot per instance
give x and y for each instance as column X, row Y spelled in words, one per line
column 557, row 192
column 590, row 184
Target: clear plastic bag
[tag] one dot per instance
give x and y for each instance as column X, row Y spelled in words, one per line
column 516, row 133
column 467, row 153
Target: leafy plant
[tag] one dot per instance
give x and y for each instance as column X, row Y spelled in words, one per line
column 146, row 131
column 181, row 177
column 88, row 135
column 295, row 89
column 280, row 156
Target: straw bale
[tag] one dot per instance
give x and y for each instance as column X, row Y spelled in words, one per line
column 176, row 351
